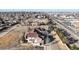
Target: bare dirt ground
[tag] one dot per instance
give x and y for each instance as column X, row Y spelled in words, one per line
column 9, row 40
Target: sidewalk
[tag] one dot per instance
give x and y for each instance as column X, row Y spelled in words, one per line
column 60, row 43
column 57, row 44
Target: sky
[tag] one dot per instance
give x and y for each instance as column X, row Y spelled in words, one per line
column 39, row 4
column 40, row 10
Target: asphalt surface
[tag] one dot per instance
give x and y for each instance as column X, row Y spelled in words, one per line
column 63, row 26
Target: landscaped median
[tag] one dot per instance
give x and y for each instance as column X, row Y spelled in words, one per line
column 65, row 40
column 61, row 35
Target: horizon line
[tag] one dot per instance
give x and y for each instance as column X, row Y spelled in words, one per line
column 39, row 10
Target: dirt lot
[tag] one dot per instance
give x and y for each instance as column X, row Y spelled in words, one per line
column 9, row 40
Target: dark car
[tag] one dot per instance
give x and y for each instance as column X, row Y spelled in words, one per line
column 71, row 40
column 66, row 33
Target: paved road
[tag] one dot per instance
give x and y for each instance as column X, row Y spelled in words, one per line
column 64, row 26
column 7, row 31
column 69, row 31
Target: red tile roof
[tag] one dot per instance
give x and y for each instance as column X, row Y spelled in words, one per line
column 32, row 34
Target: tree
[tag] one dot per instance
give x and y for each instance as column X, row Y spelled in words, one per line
column 74, row 47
